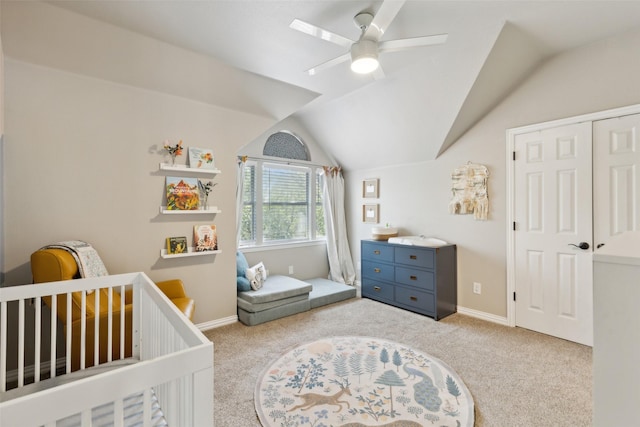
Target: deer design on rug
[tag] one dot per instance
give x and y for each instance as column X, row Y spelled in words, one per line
column 314, row 399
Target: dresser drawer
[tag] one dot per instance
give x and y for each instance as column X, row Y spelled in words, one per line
column 422, row 301
column 417, row 257
column 375, row 251
column 377, row 271
column 373, row 289
column 423, row 279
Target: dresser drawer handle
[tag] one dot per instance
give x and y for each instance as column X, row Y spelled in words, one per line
column 413, row 257
column 376, row 252
column 413, row 298
column 376, row 270
column 413, row 277
column 376, row 288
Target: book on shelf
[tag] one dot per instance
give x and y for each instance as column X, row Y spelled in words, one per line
column 205, row 238
column 177, row 245
column 182, row 193
column 201, row 158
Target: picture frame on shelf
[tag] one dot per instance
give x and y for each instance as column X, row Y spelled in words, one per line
column 370, row 213
column 182, row 193
column 205, row 238
column 370, row 188
column 177, row 245
column 201, row 158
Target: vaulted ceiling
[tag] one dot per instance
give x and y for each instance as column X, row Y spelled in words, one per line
column 430, row 95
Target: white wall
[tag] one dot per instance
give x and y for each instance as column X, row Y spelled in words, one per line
column 1, row 162
column 415, row 197
column 82, row 159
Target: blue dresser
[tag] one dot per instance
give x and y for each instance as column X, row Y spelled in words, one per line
column 416, row 278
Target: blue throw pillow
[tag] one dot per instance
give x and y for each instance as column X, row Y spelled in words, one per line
column 243, row 284
column 241, row 270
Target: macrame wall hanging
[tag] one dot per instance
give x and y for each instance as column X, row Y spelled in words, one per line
column 469, row 189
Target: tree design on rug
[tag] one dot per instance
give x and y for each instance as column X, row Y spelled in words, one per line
column 390, row 379
column 384, row 357
column 340, row 365
column 355, row 363
column 453, row 388
column 307, row 374
column 371, row 364
column 397, row 360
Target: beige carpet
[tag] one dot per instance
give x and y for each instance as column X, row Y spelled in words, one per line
column 516, row 377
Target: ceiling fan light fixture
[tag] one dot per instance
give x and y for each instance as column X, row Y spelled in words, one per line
column 364, row 56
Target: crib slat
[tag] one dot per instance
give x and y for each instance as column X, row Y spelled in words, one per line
column 85, row 420
column 110, row 325
column 83, row 329
column 54, row 335
column 118, row 413
column 20, row 342
column 96, row 330
column 38, row 339
column 172, row 400
column 68, row 338
column 146, row 408
column 122, row 313
column 3, row 346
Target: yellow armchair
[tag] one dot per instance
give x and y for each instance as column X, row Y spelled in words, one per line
column 51, row 265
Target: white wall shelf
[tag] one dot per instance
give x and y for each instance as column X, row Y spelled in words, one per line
column 209, row 211
column 191, row 252
column 187, row 169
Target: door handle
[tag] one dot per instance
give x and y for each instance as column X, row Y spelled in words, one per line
column 582, row 245
column 599, row 245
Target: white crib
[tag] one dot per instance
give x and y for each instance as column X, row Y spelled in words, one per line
column 167, row 381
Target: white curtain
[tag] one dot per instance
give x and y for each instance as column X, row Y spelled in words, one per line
column 340, row 263
column 239, row 202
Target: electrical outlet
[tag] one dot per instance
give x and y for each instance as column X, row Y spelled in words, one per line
column 291, row 269
column 477, row 288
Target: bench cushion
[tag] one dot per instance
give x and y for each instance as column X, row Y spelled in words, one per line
column 276, row 288
column 254, row 308
column 327, row 292
column 251, row 319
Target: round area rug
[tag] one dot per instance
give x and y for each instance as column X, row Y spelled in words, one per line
column 361, row 381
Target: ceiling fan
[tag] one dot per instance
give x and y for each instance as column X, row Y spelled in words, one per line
column 364, row 52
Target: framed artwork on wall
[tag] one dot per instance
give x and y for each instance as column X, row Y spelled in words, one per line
column 370, row 213
column 370, row 188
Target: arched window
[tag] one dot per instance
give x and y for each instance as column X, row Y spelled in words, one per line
column 286, row 145
column 282, row 199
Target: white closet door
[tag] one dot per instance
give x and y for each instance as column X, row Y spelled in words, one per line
column 553, row 212
column 616, row 176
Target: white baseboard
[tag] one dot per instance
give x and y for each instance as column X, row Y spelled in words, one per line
column 482, row 315
column 217, row 323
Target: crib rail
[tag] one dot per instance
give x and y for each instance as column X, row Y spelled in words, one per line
column 173, row 369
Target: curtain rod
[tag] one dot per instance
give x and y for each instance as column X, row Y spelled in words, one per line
column 285, row 162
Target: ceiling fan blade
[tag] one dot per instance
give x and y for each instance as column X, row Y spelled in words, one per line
column 320, row 33
column 395, row 45
column 388, row 10
column 335, row 61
